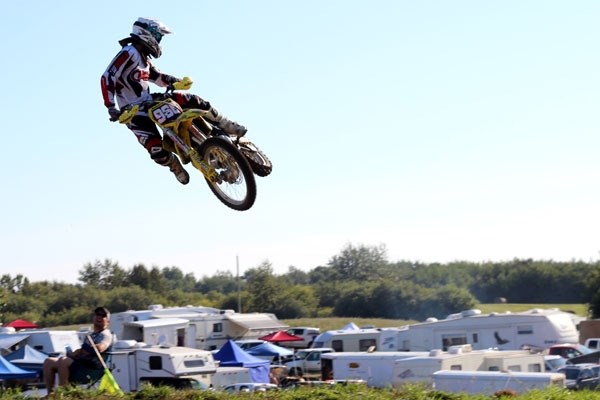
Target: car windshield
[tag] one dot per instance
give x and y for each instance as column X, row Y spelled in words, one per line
column 570, row 373
column 556, row 363
column 301, row 355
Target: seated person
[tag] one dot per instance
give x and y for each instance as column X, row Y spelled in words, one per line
column 84, row 357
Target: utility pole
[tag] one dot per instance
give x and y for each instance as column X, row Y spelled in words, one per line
column 239, row 300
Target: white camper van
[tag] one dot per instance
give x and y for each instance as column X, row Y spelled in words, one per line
column 181, row 367
column 536, row 328
column 488, row 383
column 44, row 340
column 384, row 368
column 197, row 327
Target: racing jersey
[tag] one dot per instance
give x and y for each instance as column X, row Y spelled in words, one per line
column 126, row 78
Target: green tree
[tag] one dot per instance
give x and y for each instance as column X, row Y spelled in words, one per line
column 359, row 263
column 103, row 275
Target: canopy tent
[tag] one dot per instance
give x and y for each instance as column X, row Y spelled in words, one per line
column 280, row 336
column 27, row 357
column 231, row 355
column 21, row 324
column 11, row 371
column 351, row 326
column 8, row 340
column 270, row 350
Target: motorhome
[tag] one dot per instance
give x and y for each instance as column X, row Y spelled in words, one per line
column 345, row 340
column 47, row 341
column 489, row 383
column 181, row 367
column 462, row 358
column 197, row 327
column 375, row 368
column 383, row 369
column 536, row 328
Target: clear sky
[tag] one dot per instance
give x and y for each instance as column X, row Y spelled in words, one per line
column 445, row 130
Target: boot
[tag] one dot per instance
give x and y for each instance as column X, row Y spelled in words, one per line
column 177, row 169
column 228, row 126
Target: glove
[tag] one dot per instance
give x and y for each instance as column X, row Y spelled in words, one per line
column 114, row 114
column 183, row 84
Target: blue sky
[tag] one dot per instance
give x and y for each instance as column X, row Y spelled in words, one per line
column 445, row 130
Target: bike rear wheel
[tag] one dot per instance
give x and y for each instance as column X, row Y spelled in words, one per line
column 235, row 185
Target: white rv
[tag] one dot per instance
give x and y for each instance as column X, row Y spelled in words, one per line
column 384, row 369
column 375, row 368
column 535, row 328
column 181, row 367
column 488, row 383
column 462, row 358
column 197, row 327
column 44, row 340
column 381, row 339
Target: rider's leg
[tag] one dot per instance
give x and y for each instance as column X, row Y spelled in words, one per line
column 148, row 136
column 188, row 100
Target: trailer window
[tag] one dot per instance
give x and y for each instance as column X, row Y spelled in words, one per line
column 193, row 363
column 155, row 362
column 456, row 367
column 450, row 340
column 514, row 368
column 364, row 344
column 537, row 367
column 337, row 345
column 525, row 330
column 475, row 338
column 218, row 327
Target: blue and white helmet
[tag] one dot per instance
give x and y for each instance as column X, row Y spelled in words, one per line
column 150, row 32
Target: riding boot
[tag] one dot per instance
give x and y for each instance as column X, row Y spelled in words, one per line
column 228, row 126
column 177, row 169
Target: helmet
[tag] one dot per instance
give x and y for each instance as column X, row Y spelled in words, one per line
column 149, row 32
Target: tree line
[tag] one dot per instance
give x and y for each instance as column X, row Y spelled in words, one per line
column 360, row 281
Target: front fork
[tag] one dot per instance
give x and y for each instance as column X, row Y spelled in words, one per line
column 197, row 161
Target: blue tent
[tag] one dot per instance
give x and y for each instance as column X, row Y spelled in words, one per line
column 10, row 371
column 270, row 350
column 27, row 357
column 231, row 355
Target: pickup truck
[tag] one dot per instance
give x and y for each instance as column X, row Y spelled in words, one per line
column 307, row 361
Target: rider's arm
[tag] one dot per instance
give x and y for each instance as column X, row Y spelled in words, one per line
column 160, row 79
column 111, row 75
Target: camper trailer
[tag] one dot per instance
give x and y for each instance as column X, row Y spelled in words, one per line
column 462, row 358
column 535, row 328
column 352, row 340
column 383, row 368
column 44, row 340
column 488, row 383
column 181, row 367
column 197, row 327
column 375, row 368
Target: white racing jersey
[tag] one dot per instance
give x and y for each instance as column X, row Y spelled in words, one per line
column 127, row 78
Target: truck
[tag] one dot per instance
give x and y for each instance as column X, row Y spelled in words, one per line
column 307, row 361
column 307, row 333
column 197, row 327
column 489, row 382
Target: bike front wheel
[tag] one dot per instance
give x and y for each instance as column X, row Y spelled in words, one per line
column 234, row 184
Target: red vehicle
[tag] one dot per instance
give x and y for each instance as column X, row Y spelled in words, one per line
column 569, row 350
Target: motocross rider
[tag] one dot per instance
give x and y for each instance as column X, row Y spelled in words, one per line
column 126, row 79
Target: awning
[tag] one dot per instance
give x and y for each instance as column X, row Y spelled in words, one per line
column 159, row 322
column 257, row 322
column 8, row 340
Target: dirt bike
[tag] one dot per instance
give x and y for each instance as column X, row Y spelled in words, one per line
column 227, row 162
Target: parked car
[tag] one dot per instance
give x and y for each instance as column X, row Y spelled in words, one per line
column 581, row 376
column 592, row 343
column 569, row 350
column 554, row 362
column 307, row 361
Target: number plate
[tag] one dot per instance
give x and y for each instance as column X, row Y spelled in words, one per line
column 165, row 112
